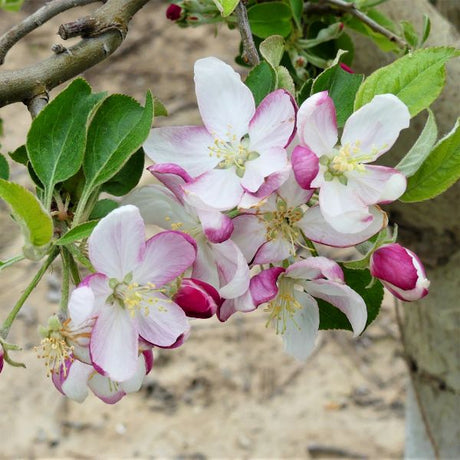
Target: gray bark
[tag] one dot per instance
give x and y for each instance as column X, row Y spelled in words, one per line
column 432, row 229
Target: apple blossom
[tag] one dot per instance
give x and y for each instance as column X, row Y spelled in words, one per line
column 400, row 271
column 129, row 302
column 291, row 305
column 239, row 146
column 347, row 185
column 197, row 298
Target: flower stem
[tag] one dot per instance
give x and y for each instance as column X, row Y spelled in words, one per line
column 250, row 53
column 65, row 257
column 36, row 279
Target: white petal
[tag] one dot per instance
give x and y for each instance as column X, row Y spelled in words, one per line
column 249, row 234
column 81, row 305
column 274, row 250
column 105, row 389
column 316, row 123
column 375, row 127
column 75, row 384
column 302, row 328
column 117, row 242
column 315, row 267
column 205, row 268
column 293, row 194
column 226, row 104
column 135, row 382
column 186, row 146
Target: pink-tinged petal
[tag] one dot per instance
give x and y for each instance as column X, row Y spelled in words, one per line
column 114, row 344
column 315, row 268
column 106, row 390
column 292, row 194
column 318, row 230
column 135, row 382
column 99, row 284
column 271, row 161
column 117, row 242
column 179, row 341
column 302, row 328
column 160, row 321
column 226, row 310
column 167, row 255
column 400, row 271
column 186, row 146
column 219, row 189
column 342, row 209
column 148, row 360
column 271, row 183
column 249, row 234
column 217, row 227
column 375, row 127
column 1, row 361
column 243, row 303
column 158, row 206
column 377, row 184
column 274, row 250
column 232, row 268
column 172, row 176
column 316, row 124
column 263, row 286
column 205, row 267
column 81, row 304
column 344, row 298
column 72, row 382
column 197, row 298
column 226, row 104
column 273, row 124
column 305, row 165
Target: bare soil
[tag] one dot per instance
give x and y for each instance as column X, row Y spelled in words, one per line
column 230, row 392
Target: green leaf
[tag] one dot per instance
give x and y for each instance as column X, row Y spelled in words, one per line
column 409, row 33
column 324, row 35
column 12, row 261
column 421, row 149
column 426, row 29
column 4, row 168
column 439, row 171
column 11, row 5
column 102, row 208
column 20, row 155
column 417, row 79
column 272, row 18
column 118, row 129
column 332, row 318
column 305, row 91
column 342, row 87
column 56, row 140
column 285, row 80
column 77, row 233
column 261, row 81
column 226, row 7
column 128, row 176
column 297, row 11
column 272, row 50
column 159, row 110
column 36, row 224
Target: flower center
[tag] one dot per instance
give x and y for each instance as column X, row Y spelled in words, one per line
column 55, row 351
column 282, row 223
column 343, row 161
column 284, row 306
column 232, row 153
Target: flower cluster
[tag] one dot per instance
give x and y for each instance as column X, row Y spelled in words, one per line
column 246, row 207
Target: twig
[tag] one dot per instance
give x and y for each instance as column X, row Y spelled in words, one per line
column 250, row 53
column 25, row 84
column 418, row 398
column 37, row 103
column 350, row 8
column 35, row 20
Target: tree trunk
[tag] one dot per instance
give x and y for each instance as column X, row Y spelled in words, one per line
column 432, row 229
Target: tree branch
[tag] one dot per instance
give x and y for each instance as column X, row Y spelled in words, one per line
column 250, row 53
column 112, row 20
column 35, row 20
column 329, row 6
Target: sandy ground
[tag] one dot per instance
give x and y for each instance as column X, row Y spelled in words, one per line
column 231, row 392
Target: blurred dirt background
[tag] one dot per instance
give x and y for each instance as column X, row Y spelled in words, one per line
column 230, row 392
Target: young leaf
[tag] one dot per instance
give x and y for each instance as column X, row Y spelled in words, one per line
column 421, row 149
column 439, row 171
column 56, row 140
column 272, row 49
column 119, row 127
column 426, row 29
column 77, row 233
column 11, row 5
column 332, row 318
column 342, row 87
column 102, row 208
column 226, row 7
column 272, row 18
column 4, row 168
column 324, row 35
column 409, row 33
column 297, row 11
column 36, row 224
column 261, row 81
column 20, row 155
column 420, row 79
column 285, row 80
column 128, row 176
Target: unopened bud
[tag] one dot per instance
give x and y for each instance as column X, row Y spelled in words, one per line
column 173, row 12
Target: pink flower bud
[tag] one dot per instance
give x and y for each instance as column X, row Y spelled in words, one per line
column 1, row 359
column 345, row 67
column 197, row 298
column 400, row 271
column 173, row 12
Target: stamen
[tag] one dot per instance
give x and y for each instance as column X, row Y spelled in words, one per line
column 55, row 351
